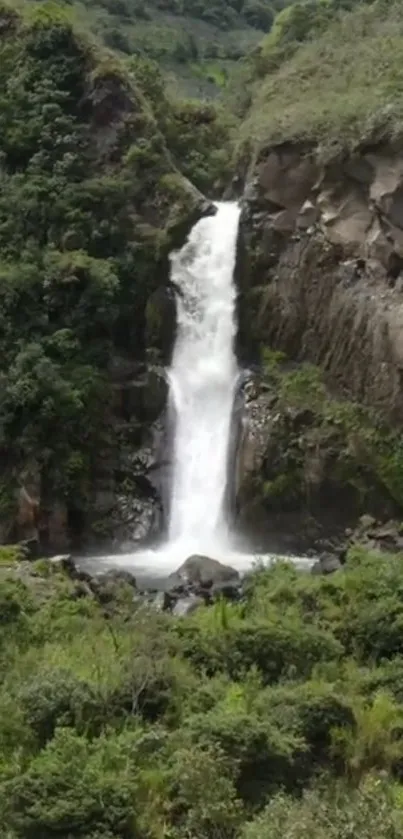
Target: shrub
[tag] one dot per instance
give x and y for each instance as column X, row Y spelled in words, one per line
column 331, row 812
column 74, row 787
column 264, row 757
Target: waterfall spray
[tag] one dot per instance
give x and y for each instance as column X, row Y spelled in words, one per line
column 203, row 377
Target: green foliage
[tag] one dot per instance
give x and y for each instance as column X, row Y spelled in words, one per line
column 319, row 441
column 182, row 35
column 197, row 134
column 86, row 215
column 377, row 739
column 77, row 786
column 10, row 554
column 313, row 71
column 333, row 813
column 274, row 716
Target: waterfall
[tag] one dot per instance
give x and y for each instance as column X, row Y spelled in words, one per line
column 203, row 377
column 203, row 382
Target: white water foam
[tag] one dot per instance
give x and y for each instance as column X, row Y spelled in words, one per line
column 202, row 378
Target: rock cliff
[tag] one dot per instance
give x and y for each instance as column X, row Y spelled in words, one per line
column 320, row 272
column 323, row 256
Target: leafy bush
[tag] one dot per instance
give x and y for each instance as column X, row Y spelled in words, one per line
column 130, row 723
column 277, row 648
column 75, row 787
column 328, row 813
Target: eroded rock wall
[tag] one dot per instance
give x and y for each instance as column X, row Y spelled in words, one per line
column 321, row 267
column 320, row 276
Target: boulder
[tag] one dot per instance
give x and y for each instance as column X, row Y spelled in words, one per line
column 374, row 536
column 31, row 548
column 327, row 564
column 118, row 575
column 163, row 601
column 201, row 570
column 187, row 605
column 229, row 589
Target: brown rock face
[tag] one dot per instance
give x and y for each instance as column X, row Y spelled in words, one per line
column 321, row 267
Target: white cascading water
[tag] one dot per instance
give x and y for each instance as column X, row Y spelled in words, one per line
column 203, row 377
column 202, row 381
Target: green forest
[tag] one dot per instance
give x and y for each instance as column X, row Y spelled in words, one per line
column 275, row 716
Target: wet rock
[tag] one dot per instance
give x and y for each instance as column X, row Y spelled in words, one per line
column 31, row 548
column 202, row 570
column 230, row 590
column 163, row 601
column 142, row 397
column 187, row 605
column 307, row 216
column 375, row 536
column 118, row 575
column 136, row 519
column 327, row 564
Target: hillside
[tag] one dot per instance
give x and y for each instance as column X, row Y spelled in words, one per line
column 320, row 151
column 92, row 201
column 335, row 80
column 196, row 43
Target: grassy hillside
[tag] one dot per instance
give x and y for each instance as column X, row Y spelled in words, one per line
column 196, row 42
column 340, row 81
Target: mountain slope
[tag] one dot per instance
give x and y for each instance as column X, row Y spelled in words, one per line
column 195, row 43
column 341, row 85
column 91, row 203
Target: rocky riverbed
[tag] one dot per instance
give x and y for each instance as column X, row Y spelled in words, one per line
column 200, row 580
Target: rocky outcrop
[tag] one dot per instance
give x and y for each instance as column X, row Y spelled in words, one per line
column 321, row 266
column 373, row 535
column 310, row 464
column 117, row 587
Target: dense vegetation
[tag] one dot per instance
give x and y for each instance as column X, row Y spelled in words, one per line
column 91, row 202
column 278, row 716
column 196, row 42
column 328, row 72
column 320, row 445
